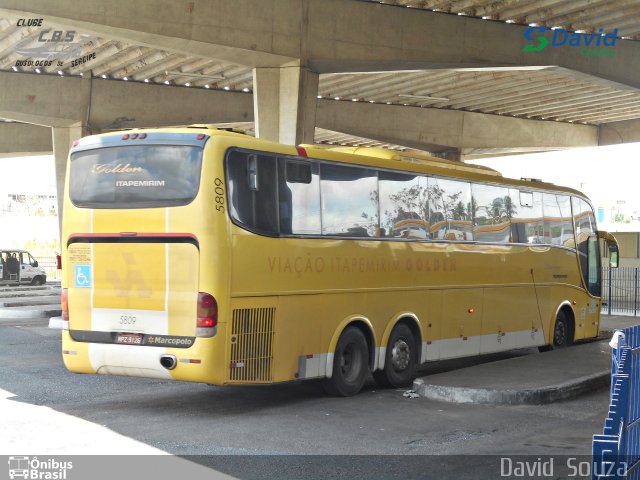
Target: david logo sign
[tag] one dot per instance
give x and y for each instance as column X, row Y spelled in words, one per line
column 561, row 37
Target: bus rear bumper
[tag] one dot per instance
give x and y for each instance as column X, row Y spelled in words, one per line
column 192, row 364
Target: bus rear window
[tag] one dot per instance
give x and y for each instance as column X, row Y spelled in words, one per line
column 140, row 176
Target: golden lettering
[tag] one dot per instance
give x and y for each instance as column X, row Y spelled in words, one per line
column 119, row 168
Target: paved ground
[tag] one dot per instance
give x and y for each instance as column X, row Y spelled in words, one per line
column 244, row 431
column 609, row 323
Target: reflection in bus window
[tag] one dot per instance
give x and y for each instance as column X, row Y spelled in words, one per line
column 140, row 176
column 558, row 227
column 527, row 220
column 493, row 212
column 349, row 201
column 587, row 244
column 450, row 209
column 253, row 207
column 299, row 197
column 403, row 205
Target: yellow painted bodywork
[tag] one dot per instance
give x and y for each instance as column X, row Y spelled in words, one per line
column 455, row 291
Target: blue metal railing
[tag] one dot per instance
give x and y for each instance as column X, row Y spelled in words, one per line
column 616, row 453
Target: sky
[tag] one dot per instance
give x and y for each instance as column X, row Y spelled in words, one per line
column 28, row 176
column 609, row 176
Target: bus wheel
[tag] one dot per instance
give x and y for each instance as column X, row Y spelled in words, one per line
column 562, row 332
column 562, row 337
column 399, row 360
column 37, row 281
column 350, row 364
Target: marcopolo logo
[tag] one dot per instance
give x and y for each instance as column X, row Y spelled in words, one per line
column 561, row 37
column 34, row 469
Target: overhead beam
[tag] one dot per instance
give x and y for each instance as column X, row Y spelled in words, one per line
column 42, row 100
column 99, row 104
column 627, row 131
column 17, row 139
column 441, row 130
column 118, row 104
column 327, row 36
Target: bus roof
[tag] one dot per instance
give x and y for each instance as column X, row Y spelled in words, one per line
column 413, row 161
column 410, row 156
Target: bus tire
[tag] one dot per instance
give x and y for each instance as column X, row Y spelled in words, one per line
column 562, row 334
column 399, row 360
column 38, row 280
column 350, row 364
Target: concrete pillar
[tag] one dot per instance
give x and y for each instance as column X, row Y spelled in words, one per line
column 62, row 138
column 284, row 103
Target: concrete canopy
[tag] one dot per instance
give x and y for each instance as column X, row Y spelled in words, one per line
column 327, row 36
column 464, row 64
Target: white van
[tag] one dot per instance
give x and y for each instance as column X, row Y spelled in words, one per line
column 18, row 267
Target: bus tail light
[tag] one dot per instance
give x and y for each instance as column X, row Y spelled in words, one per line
column 207, row 325
column 64, row 301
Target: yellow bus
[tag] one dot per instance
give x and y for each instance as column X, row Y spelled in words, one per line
column 205, row 255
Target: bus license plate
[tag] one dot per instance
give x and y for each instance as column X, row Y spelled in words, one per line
column 129, row 338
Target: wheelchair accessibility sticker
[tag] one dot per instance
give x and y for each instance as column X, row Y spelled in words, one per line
column 82, row 276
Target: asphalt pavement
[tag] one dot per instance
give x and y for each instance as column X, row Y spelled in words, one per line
column 293, row 430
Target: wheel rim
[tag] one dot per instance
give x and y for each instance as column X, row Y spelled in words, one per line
column 559, row 333
column 400, row 355
column 350, row 362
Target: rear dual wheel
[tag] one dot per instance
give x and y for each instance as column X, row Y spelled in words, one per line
column 350, row 364
column 400, row 359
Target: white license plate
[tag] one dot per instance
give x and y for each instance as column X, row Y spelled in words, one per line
column 129, row 338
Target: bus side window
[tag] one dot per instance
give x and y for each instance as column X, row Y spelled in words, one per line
column 493, row 212
column 349, row 200
column 558, row 227
column 403, row 205
column 451, row 209
column 528, row 220
column 299, row 197
column 253, row 190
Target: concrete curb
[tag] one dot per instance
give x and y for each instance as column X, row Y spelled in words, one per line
column 46, row 311
column 536, row 396
column 25, row 288
column 29, row 302
column 38, row 294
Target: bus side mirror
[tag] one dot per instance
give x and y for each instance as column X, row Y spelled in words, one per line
column 35, row 263
column 612, row 245
column 613, row 256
